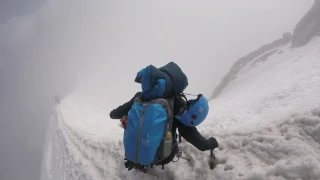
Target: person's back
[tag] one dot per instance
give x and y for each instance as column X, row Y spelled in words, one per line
column 189, row 133
column 164, row 83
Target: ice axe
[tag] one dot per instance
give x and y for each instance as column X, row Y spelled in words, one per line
column 212, row 163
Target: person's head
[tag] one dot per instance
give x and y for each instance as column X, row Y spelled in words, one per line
column 196, row 112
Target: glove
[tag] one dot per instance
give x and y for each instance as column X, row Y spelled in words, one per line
column 212, row 143
column 114, row 115
column 129, row 164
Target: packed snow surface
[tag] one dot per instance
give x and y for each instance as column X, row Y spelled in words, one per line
column 267, row 123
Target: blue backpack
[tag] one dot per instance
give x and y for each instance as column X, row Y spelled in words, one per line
column 147, row 138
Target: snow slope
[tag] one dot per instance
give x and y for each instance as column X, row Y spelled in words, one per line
column 267, row 122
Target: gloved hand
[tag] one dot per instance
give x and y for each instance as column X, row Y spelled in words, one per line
column 114, row 115
column 128, row 164
column 212, row 143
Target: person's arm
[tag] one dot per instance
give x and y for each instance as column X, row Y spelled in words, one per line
column 122, row 110
column 192, row 135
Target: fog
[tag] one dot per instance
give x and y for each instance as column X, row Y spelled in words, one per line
column 93, row 49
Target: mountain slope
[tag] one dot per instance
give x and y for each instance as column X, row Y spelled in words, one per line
column 258, row 55
column 267, row 122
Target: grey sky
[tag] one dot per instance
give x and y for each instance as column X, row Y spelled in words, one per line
column 97, row 47
column 13, row 8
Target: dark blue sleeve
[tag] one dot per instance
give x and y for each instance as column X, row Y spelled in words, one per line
column 122, row 110
column 192, row 135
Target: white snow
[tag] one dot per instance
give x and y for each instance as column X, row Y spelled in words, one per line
column 267, row 123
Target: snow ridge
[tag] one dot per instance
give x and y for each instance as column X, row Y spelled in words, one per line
column 267, row 123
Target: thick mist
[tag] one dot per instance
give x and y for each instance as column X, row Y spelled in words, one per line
column 93, row 49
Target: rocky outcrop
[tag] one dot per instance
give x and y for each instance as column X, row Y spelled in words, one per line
column 308, row 26
column 262, row 51
column 264, row 57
